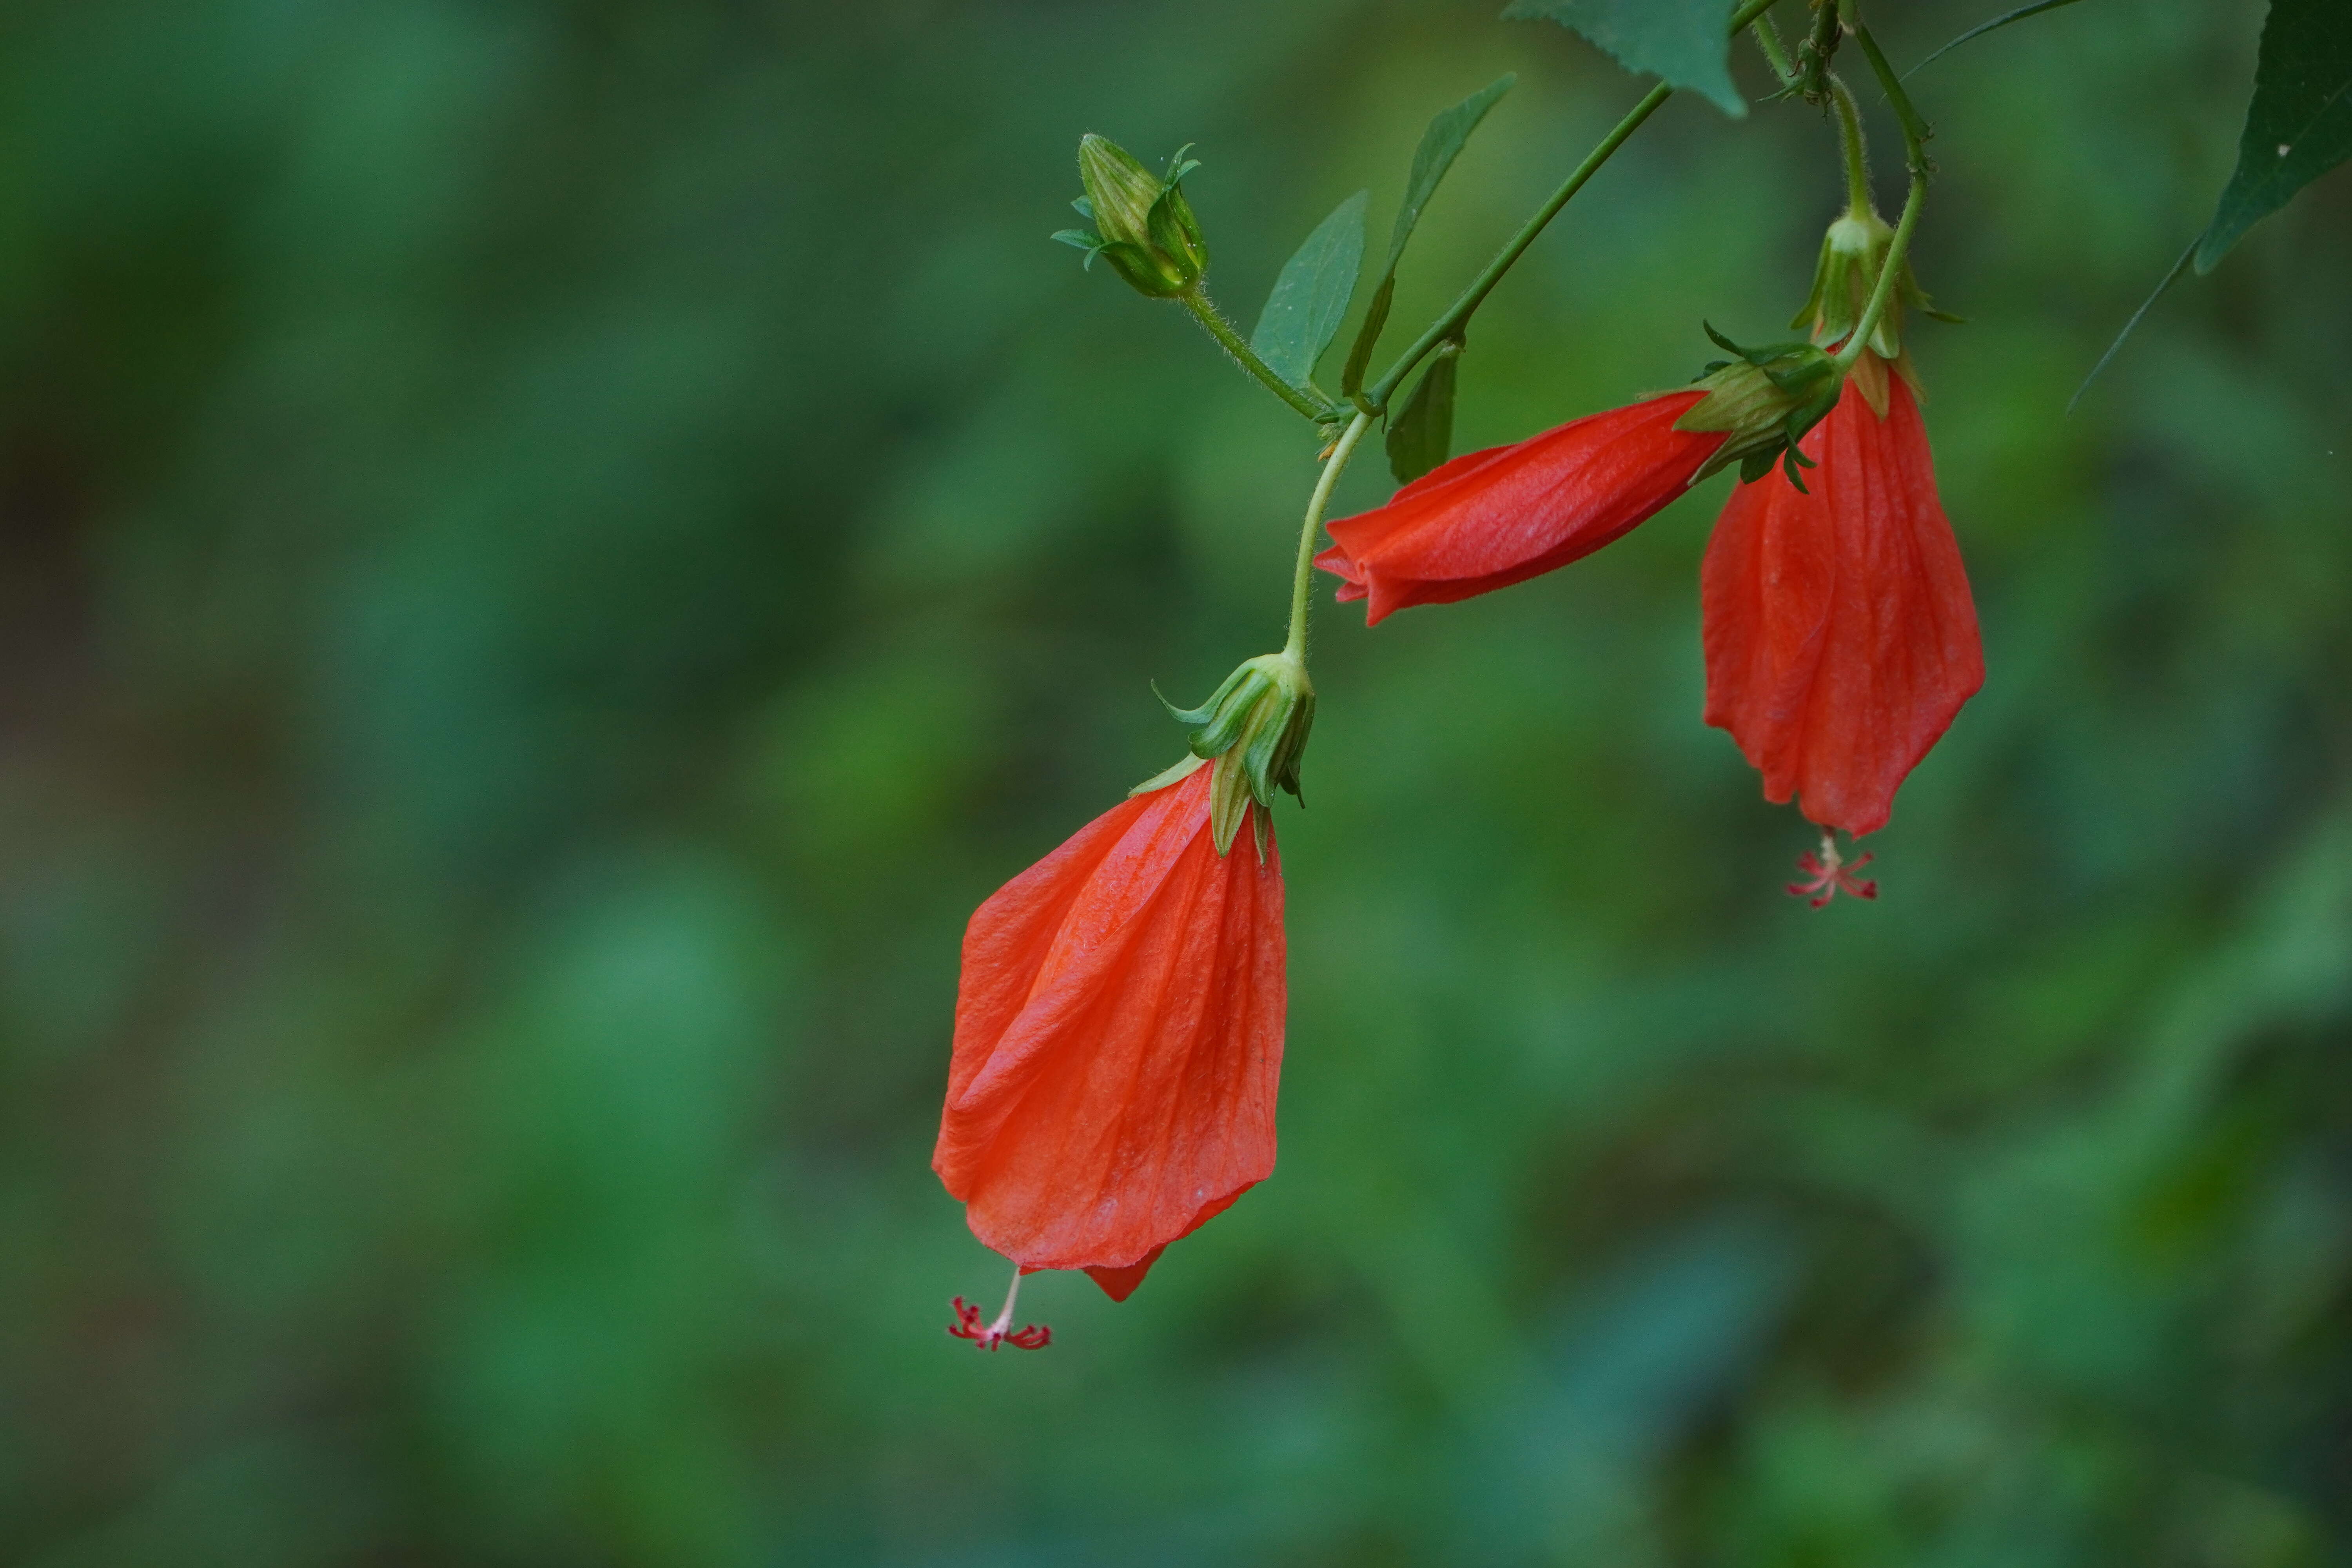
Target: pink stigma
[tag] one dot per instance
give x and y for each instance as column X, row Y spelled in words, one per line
column 1000, row 1333
column 1828, row 875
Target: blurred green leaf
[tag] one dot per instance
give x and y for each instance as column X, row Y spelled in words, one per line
column 1440, row 144
column 1423, row 431
column 2299, row 125
column 1688, row 42
column 1310, row 298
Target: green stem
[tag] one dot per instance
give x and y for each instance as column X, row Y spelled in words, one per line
column 1302, row 586
column 1767, row 39
column 1457, row 315
column 1915, row 129
column 1887, row 274
column 1858, row 204
column 1196, row 300
column 1814, row 56
column 1915, row 137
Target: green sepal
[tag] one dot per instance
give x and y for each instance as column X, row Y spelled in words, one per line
column 1175, row 773
column 1085, row 208
column 1255, row 728
column 1765, row 402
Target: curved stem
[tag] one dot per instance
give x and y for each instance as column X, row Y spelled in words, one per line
column 1196, row 300
column 1302, row 586
column 1457, row 315
column 1888, row 272
column 1915, row 137
column 1767, row 39
column 1915, row 129
column 1858, row 203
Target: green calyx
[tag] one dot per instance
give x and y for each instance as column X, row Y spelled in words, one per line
column 1254, row 729
column 1765, row 401
column 1852, row 253
column 1143, row 225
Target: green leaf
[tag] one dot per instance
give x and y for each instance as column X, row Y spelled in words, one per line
column 1359, row 356
column 1688, row 42
column 2299, row 125
column 1981, row 28
column 1421, row 434
column 1310, row 298
column 1440, row 144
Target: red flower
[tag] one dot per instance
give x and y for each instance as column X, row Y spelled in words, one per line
column 1118, row 1043
column 1841, row 639
column 1490, row 518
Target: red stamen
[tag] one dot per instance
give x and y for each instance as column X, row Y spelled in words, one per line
column 1000, row 1333
column 1828, row 875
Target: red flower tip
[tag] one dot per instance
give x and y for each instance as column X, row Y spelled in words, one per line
column 1828, row 875
column 1000, row 1333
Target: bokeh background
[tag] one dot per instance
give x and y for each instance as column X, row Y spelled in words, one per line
column 550, row 554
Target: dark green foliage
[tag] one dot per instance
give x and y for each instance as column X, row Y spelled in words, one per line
column 2299, row 125
column 1681, row 40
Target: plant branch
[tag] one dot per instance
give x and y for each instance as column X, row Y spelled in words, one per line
column 1196, row 300
column 1858, row 203
column 1302, row 586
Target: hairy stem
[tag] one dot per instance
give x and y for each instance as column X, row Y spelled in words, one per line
column 1196, row 300
column 1767, row 39
column 1302, row 586
column 1858, row 203
column 1914, row 138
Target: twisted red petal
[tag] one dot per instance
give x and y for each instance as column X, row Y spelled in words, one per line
column 1489, row 519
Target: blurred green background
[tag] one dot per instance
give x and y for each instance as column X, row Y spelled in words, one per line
column 553, row 552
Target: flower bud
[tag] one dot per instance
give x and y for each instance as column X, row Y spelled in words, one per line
column 1143, row 225
column 1764, row 402
column 1254, row 727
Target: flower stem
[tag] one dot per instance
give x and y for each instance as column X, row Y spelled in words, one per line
column 1887, row 274
column 1767, row 39
column 1457, row 315
column 1915, row 137
column 1196, row 300
column 1858, row 203
column 1915, row 129
column 1302, row 586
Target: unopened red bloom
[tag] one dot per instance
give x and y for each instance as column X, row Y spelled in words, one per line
column 1841, row 638
column 1490, row 518
column 1118, row 1042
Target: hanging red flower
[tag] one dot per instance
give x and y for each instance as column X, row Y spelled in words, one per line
column 1841, row 638
column 1489, row 519
column 1118, row 1044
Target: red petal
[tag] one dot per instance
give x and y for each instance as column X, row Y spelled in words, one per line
column 1841, row 639
column 1118, row 1041
column 1490, row 518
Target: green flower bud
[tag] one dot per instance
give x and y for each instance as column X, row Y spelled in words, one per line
column 1143, row 225
column 1254, row 727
